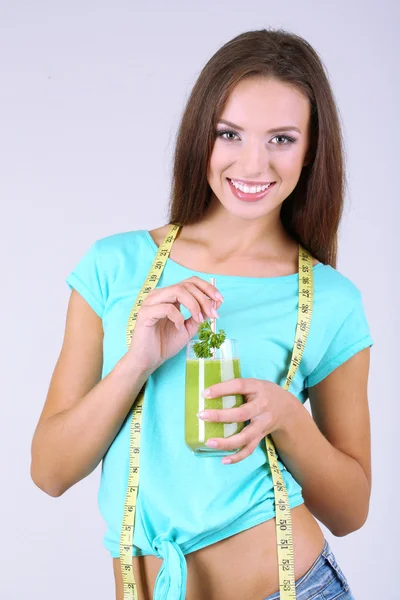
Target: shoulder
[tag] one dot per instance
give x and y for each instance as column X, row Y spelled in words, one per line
column 120, row 241
column 336, row 298
column 113, row 254
column 135, row 239
column 333, row 289
column 339, row 325
column 159, row 233
column 330, row 282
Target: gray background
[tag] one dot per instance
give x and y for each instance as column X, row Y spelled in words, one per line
column 91, row 93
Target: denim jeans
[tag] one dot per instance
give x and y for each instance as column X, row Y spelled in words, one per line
column 323, row 581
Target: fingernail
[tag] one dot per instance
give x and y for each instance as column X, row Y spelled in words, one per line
column 218, row 296
column 203, row 414
column 214, row 312
column 200, row 317
column 206, row 393
column 211, row 443
column 226, row 461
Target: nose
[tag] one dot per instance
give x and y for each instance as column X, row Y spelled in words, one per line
column 254, row 160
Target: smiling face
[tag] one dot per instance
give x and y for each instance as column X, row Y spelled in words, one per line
column 260, row 146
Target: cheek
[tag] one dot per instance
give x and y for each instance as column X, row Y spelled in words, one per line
column 223, row 155
column 218, row 163
column 289, row 165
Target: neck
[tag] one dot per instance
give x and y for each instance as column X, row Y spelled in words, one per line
column 227, row 235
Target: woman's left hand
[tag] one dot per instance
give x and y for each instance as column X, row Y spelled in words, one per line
column 267, row 406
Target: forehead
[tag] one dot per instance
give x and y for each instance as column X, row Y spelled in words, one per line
column 266, row 102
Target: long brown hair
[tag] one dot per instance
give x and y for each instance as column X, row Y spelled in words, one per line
column 311, row 213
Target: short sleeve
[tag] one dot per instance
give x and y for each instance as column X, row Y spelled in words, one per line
column 89, row 279
column 352, row 336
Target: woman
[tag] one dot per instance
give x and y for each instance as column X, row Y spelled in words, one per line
column 261, row 113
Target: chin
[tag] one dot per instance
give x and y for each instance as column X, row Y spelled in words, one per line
column 248, row 213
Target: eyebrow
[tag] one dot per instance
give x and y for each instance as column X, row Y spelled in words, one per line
column 274, row 130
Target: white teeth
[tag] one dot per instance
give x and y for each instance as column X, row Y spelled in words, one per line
column 250, row 190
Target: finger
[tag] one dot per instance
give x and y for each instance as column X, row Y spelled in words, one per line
column 244, row 438
column 208, row 307
column 173, row 294
column 192, row 327
column 239, row 385
column 207, row 288
column 242, row 454
column 150, row 315
column 239, row 414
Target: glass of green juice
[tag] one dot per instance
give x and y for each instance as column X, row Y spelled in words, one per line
column 200, row 374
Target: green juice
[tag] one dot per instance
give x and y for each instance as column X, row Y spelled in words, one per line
column 200, row 374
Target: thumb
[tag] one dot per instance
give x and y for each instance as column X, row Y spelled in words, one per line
column 191, row 327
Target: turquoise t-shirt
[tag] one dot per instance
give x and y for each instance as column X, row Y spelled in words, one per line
column 185, row 502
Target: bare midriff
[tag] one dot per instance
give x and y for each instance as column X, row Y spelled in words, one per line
column 244, row 565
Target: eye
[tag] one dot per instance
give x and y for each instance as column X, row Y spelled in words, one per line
column 289, row 139
column 225, row 131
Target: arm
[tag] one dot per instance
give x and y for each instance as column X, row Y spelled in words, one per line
column 69, row 445
column 82, row 415
column 329, row 454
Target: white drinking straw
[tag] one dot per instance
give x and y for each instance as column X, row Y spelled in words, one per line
column 213, row 320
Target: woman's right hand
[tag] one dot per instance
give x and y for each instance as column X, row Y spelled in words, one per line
column 161, row 330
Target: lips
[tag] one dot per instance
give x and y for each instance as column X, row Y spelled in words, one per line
column 249, row 197
column 250, row 183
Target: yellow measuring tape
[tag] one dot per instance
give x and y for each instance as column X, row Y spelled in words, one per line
column 283, row 518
